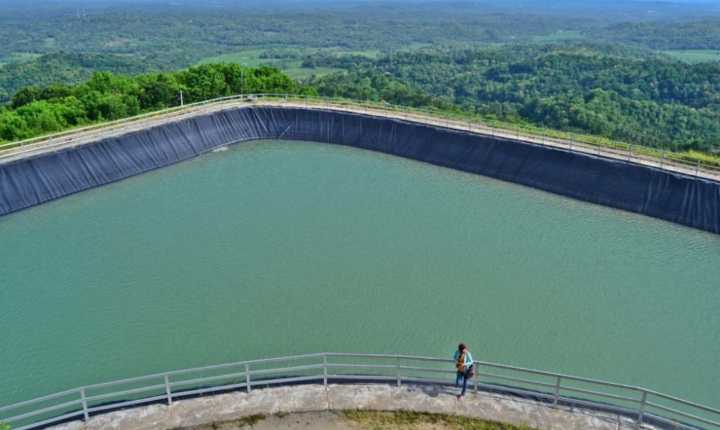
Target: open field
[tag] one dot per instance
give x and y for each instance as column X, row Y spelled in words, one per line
column 246, row 57
column 558, row 36
column 17, row 57
column 289, row 60
column 694, row 56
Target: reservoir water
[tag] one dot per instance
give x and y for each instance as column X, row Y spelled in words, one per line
column 275, row 248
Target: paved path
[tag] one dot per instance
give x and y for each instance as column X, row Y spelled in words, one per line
column 316, row 398
column 82, row 137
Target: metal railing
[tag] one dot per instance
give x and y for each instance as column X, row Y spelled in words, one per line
column 555, row 390
column 665, row 160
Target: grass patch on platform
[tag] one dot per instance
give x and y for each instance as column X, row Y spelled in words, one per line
column 408, row 420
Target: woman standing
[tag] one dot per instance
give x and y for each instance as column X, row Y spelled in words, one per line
column 464, row 366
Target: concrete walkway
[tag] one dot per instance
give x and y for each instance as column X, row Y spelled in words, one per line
column 316, row 398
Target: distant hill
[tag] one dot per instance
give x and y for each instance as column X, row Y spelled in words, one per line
column 700, row 34
column 62, row 68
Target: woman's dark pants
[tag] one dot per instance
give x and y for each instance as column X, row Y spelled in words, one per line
column 464, row 377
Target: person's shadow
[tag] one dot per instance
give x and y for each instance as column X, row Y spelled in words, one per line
column 433, row 390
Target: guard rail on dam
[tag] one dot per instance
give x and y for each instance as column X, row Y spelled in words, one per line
column 36, row 171
column 553, row 389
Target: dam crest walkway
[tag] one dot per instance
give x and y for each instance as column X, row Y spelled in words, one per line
column 74, row 138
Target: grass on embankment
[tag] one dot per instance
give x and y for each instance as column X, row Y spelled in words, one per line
column 358, row 420
column 691, row 157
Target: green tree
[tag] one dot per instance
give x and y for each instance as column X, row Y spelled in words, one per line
column 25, row 96
column 106, row 96
column 13, row 126
column 204, row 82
column 158, row 91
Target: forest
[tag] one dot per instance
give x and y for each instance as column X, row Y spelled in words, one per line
column 64, row 68
column 107, row 96
column 652, row 102
column 621, row 70
column 700, row 34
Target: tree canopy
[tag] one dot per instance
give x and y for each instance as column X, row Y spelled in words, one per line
column 106, row 96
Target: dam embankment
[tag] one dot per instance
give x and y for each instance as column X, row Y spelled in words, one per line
column 686, row 200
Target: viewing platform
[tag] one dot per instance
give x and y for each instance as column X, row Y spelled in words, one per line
column 347, row 381
column 304, row 399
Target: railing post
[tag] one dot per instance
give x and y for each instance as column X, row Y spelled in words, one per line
column 556, row 394
column 662, row 160
column 697, row 168
column 641, row 410
column 168, row 393
column 247, row 378
column 86, row 415
column 477, row 376
column 325, row 371
column 397, row 369
column 629, row 152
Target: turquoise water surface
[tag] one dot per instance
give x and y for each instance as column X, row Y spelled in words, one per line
column 274, row 248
